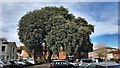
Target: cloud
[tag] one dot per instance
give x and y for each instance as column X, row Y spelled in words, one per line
column 0, row 27
column 102, row 15
column 105, row 28
column 60, row 0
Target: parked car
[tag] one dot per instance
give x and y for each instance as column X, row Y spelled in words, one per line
column 4, row 65
column 14, row 65
column 100, row 65
column 27, row 63
column 86, row 61
column 19, row 62
column 61, row 64
column 75, row 63
column 32, row 61
column 94, row 60
column 118, row 61
column 81, row 61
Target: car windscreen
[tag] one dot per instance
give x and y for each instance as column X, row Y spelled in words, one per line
column 61, row 63
column 1, row 62
column 87, row 61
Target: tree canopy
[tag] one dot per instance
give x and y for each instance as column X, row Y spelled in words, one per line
column 56, row 27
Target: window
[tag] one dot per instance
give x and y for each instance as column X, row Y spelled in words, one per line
column 13, row 57
column 61, row 62
column 2, row 57
column 13, row 49
column 3, row 48
column 7, row 57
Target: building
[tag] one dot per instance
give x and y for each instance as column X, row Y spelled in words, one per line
column 105, row 53
column 114, row 54
column 22, row 53
column 7, row 50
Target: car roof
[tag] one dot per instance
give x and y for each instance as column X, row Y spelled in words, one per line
column 106, row 64
column 58, row 60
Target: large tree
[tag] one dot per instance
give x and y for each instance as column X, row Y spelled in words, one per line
column 35, row 25
column 71, row 36
column 48, row 23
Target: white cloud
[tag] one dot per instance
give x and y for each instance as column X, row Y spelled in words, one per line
column 60, row 0
column 0, row 28
column 12, row 37
column 107, row 26
column 102, row 28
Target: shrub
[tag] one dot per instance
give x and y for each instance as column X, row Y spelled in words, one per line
column 113, row 59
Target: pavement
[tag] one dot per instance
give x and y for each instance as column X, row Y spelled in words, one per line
column 39, row 66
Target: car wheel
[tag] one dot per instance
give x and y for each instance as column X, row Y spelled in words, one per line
column 72, row 67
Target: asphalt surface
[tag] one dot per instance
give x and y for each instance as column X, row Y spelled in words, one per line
column 39, row 66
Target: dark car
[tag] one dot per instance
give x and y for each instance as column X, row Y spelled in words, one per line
column 61, row 64
column 14, row 65
column 118, row 61
column 27, row 63
column 100, row 65
column 86, row 61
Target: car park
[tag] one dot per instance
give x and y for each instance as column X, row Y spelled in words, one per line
column 61, row 64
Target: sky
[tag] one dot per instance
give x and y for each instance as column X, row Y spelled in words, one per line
column 103, row 15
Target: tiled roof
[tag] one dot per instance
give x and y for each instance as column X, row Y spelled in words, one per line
column 115, row 52
column 3, row 39
column 10, row 43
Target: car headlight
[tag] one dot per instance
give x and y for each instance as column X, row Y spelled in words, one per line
column 1, row 65
column 23, row 63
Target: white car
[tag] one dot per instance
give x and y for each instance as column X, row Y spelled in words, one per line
column 31, row 61
column 94, row 60
column 73, row 63
column 1, row 64
column 19, row 62
column 100, row 65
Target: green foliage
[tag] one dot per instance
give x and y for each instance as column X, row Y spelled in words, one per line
column 56, row 27
column 113, row 59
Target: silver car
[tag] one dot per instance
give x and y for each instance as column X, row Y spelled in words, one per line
column 100, row 65
column 4, row 65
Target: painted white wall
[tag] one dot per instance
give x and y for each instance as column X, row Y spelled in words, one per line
column 9, row 54
column 2, row 53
